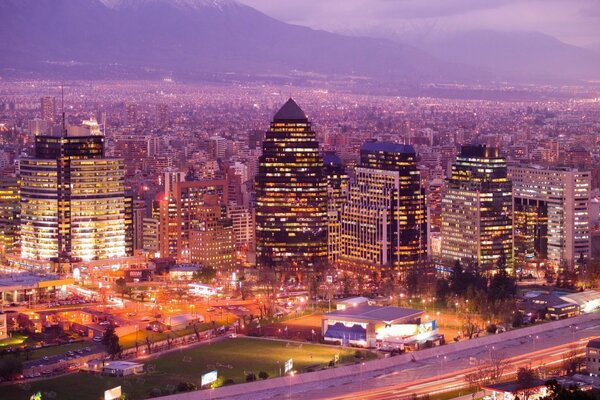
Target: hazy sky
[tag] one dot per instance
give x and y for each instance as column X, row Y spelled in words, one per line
column 573, row 21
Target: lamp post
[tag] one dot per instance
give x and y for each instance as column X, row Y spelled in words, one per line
column 290, row 384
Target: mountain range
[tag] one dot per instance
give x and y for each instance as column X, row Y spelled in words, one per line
column 208, row 39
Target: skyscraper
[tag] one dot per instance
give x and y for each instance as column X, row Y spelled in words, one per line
column 477, row 211
column 291, row 195
column 551, row 214
column 337, row 190
column 72, row 200
column 384, row 220
column 48, row 106
column 9, row 213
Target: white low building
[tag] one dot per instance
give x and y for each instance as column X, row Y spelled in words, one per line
column 122, row 368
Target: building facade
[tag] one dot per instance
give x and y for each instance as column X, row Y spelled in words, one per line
column 552, row 219
column 72, row 200
column 291, row 195
column 337, row 191
column 477, row 211
column 384, row 226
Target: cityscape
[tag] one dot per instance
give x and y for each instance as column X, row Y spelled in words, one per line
column 213, row 199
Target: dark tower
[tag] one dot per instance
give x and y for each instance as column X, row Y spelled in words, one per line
column 291, row 196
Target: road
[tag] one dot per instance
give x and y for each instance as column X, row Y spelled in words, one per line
column 456, row 380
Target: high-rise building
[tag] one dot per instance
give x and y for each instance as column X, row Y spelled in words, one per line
column 291, row 195
column 337, row 191
column 477, row 211
column 139, row 214
column 551, row 214
column 48, row 107
column 162, row 114
column 133, row 149
column 243, row 226
column 131, row 110
column 179, row 212
column 217, row 147
column 9, row 213
column 384, row 227
column 211, row 235
column 72, row 200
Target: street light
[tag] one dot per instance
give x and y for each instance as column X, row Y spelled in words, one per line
column 290, row 383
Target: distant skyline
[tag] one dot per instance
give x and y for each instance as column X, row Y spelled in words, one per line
column 575, row 22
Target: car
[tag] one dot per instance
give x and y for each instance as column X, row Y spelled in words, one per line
column 232, row 335
column 97, row 339
column 210, row 309
column 45, row 358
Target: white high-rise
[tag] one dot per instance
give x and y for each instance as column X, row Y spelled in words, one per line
column 560, row 196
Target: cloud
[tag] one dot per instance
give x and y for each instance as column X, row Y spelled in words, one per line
column 573, row 21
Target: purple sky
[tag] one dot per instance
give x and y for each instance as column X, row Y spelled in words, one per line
column 573, row 21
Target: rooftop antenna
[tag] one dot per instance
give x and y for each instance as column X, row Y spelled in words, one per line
column 62, row 107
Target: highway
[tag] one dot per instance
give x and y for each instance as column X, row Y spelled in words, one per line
column 456, row 380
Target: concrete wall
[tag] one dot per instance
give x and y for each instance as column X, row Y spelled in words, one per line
column 378, row 365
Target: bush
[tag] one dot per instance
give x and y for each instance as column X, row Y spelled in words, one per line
column 250, row 377
column 228, row 381
column 491, row 329
column 517, row 320
column 263, row 375
column 156, row 392
column 186, row 387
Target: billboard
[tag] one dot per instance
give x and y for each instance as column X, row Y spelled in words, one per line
column 209, row 378
column 112, row 394
column 289, row 364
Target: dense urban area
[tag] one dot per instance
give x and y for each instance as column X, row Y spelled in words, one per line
column 243, row 240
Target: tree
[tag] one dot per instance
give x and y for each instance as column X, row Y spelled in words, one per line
column 346, row 284
column 558, row 392
column 263, row 375
column 502, row 286
column 10, row 367
column 121, row 287
column 526, row 377
column 489, row 371
column 572, row 361
column 205, row 274
column 412, row 281
column 442, row 289
column 186, row 387
column 110, row 340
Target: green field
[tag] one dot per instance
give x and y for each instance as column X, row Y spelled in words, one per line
column 232, row 358
column 15, row 340
column 128, row 341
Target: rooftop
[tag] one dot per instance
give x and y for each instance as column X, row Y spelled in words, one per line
column 515, row 386
column 388, row 147
column 376, row 313
column 594, row 344
column 290, row 111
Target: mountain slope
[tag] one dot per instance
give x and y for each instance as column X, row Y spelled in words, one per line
column 192, row 37
column 518, row 55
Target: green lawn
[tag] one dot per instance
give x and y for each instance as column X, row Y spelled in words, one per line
column 15, row 339
column 232, row 358
column 128, row 341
